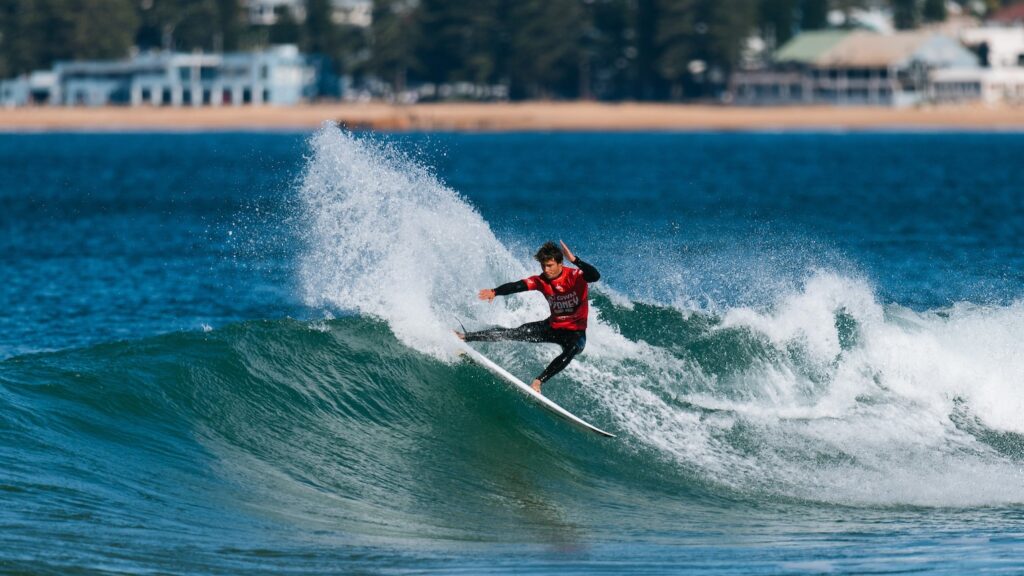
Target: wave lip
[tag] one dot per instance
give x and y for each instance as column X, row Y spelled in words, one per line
column 384, row 237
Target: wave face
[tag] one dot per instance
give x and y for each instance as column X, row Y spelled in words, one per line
column 364, row 427
column 321, row 424
column 338, row 424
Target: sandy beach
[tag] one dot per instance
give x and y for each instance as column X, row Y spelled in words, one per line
column 534, row 116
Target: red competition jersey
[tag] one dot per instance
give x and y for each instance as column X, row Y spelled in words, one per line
column 567, row 297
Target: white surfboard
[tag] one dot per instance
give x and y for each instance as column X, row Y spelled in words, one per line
column 530, row 393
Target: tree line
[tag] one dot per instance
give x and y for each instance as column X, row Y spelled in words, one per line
column 605, row 49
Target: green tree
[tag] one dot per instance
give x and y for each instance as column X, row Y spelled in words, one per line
column 101, row 29
column 700, row 43
column 608, row 49
column 543, row 46
column 813, row 14
column 231, row 24
column 5, row 37
column 777, row 20
column 217, row 25
column 394, row 36
column 646, row 51
column 37, row 33
column 729, row 28
column 675, row 39
column 905, row 14
column 287, row 30
column 320, row 34
column 459, row 39
column 934, row 11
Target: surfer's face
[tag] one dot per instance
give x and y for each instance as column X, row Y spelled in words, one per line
column 551, row 268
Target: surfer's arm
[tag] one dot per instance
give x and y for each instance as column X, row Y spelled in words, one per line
column 590, row 274
column 503, row 290
column 511, row 288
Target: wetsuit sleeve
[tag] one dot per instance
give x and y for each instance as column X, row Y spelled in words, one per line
column 511, row 288
column 590, row 274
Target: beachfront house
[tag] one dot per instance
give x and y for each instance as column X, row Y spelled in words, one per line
column 999, row 80
column 852, row 67
column 34, row 88
column 279, row 76
column 987, row 85
column 1012, row 15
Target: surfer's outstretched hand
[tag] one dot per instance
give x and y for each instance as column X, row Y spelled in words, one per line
column 566, row 252
column 486, row 294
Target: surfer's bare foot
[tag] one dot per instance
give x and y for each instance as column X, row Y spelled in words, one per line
column 459, row 335
column 535, row 385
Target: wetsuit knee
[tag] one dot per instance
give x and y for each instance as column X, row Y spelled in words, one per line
column 570, row 348
column 581, row 343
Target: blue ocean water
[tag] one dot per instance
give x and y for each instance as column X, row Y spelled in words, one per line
column 228, row 353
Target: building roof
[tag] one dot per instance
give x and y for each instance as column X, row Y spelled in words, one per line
column 806, row 48
column 866, row 49
column 1010, row 14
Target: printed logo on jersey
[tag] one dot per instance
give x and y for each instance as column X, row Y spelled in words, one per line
column 564, row 303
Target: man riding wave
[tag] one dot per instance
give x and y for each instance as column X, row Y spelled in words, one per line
column 566, row 292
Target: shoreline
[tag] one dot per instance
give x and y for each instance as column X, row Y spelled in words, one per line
column 513, row 117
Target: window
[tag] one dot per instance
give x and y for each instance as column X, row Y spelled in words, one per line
column 184, row 73
column 247, row 96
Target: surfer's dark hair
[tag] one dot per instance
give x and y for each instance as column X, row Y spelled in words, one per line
column 548, row 252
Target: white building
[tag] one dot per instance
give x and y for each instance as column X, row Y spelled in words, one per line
column 34, row 88
column 1003, row 47
column 1000, row 81
column 988, row 85
column 279, row 76
column 842, row 67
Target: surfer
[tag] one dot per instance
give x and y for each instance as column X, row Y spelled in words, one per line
column 566, row 293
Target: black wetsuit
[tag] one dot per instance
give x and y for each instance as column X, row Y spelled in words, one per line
column 571, row 341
